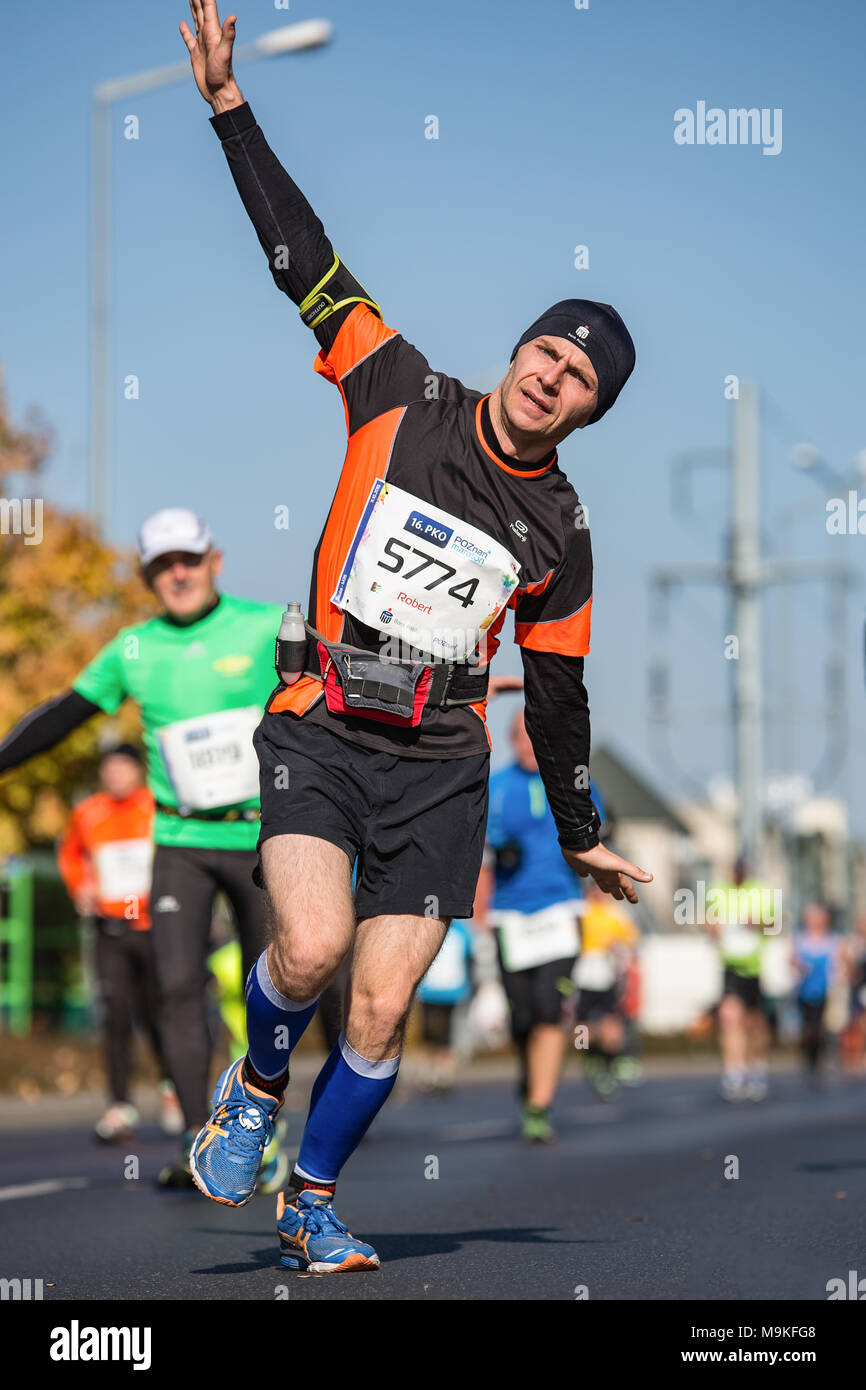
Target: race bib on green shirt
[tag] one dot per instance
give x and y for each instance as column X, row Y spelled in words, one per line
column 740, row 943
column 211, row 761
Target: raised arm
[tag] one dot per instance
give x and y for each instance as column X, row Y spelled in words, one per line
column 43, row 727
column 300, row 256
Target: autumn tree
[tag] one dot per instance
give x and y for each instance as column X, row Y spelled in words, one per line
column 63, row 594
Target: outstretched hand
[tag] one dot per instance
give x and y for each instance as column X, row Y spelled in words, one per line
column 210, row 52
column 612, row 874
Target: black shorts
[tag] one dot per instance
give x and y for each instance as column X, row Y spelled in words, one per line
column 746, row 988
column 534, row 995
column 593, row 1004
column 415, row 825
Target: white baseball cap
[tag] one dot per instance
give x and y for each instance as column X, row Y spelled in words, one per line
column 172, row 529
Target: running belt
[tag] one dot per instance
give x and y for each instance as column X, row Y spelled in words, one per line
column 451, row 683
column 235, row 813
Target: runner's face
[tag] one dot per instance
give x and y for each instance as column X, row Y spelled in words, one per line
column 184, row 583
column 551, row 389
column 120, row 776
column 816, row 919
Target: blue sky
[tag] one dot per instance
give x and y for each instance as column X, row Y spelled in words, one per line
column 555, row 129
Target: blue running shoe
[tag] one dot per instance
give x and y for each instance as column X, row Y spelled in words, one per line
column 226, row 1155
column 313, row 1238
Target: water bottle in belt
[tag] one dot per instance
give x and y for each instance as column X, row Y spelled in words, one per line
column 291, row 648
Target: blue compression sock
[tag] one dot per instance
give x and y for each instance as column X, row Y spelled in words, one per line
column 274, row 1023
column 348, row 1094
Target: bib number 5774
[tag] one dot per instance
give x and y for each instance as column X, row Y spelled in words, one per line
column 463, row 592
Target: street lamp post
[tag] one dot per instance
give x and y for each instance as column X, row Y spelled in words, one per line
column 293, row 38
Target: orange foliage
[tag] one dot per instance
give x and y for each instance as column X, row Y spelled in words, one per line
column 61, row 600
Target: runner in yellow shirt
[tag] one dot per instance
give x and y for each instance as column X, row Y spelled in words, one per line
column 607, row 942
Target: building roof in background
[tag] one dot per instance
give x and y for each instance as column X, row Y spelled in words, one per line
column 627, row 796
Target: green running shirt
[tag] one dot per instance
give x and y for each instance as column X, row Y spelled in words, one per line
column 223, row 662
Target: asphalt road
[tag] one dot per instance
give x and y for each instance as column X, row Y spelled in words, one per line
column 632, row 1202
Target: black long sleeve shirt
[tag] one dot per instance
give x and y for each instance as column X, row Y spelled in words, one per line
column 379, row 375
column 43, row 727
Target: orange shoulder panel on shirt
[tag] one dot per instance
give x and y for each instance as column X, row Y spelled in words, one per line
column 360, row 334
column 564, row 636
column 367, row 456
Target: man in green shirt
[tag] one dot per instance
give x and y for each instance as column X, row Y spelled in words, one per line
column 200, row 672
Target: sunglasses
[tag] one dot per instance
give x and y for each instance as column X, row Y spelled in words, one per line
column 174, row 557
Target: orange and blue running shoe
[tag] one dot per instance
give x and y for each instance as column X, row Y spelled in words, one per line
column 226, row 1155
column 314, row 1239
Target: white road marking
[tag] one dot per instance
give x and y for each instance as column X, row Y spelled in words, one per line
column 41, row 1189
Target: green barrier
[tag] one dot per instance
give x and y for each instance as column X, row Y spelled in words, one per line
column 226, row 966
column 16, row 946
column 43, row 970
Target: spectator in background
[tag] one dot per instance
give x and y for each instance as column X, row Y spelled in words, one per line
column 105, row 860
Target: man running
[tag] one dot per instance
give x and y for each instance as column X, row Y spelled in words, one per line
column 200, row 673
column 449, row 509
column 816, row 963
column 105, row 859
column 608, row 942
column 742, row 1017
column 530, row 896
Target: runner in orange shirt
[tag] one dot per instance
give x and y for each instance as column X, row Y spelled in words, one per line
column 105, row 860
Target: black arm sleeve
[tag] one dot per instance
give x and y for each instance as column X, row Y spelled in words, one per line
column 291, row 235
column 45, row 726
column 557, row 721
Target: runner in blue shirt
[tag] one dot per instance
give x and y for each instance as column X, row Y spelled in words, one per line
column 530, row 896
column 815, row 958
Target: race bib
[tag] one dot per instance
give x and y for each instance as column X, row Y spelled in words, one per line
column 211, row 761
column 123, row 869
column 738, row 943
column 433, row 580
column 534, row 938
column 595, row 970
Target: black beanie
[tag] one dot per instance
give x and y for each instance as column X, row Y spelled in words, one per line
column 600, row 332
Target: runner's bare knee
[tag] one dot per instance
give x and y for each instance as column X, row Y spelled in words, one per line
column 308, row 881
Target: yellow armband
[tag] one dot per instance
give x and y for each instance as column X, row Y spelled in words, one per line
column 343, row 289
